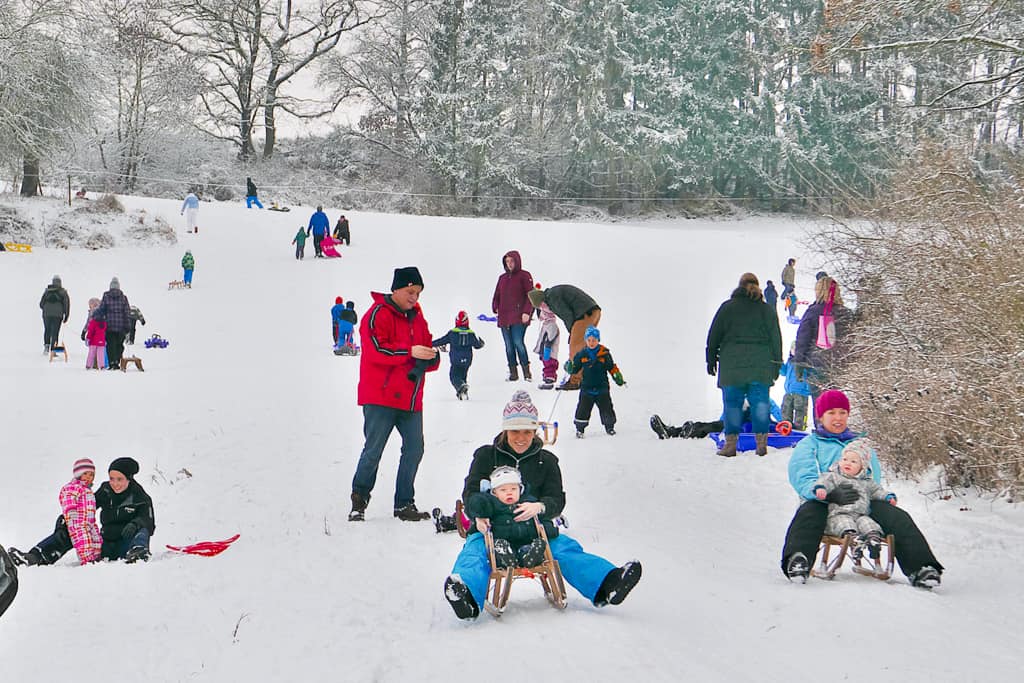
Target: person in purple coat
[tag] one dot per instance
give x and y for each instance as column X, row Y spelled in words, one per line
column 514, row 310
column 115, row 310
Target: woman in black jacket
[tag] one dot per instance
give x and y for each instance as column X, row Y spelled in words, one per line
column 517, row 446
column 745, row 350
column 126, row 514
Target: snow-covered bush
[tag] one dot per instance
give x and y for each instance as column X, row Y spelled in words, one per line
column 936, row 362
column 16, row 228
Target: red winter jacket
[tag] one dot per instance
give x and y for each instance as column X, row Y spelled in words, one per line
column 387, row 336
column 510, row 301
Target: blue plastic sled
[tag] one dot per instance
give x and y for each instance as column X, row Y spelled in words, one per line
column 793, row 319
column 487, row 318
column 746, row 441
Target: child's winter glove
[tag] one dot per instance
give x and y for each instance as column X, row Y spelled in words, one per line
column 844, row 494
column 617, row 376
column 83, row 335
column 129, row 530
column 568, row 366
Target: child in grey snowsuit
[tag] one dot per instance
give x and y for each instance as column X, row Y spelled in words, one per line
column 853, row 469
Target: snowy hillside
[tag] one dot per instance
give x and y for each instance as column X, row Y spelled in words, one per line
column 247, row 424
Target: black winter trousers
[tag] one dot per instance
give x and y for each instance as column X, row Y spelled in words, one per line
column 317, row 240
column 586, row 406
column 115, row 348
column 458, row 375
column 808, row 525
column 51, row 329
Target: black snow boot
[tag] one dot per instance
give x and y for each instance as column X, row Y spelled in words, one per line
column 617, row 584
column 797, row 568
column 29, row 559
column 659, row 427
column 358, row 513
column 504, row 557
column 531, row 555
column 136, row 554
column 925, row 577
column 409, row 513
column 443, row 523
column 458, row 596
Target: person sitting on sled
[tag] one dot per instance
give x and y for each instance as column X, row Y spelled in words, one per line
column 816, row 453
column 518, row 446
column 76, row 527
column 854, row 468
column 515, row 543
column 462, row 341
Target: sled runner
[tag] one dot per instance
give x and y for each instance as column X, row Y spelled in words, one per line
column 548, row 573
column 58, row 351
column 865, row 566
column 205, row 548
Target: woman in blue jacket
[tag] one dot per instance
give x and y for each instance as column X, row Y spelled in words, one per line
column 814, row 455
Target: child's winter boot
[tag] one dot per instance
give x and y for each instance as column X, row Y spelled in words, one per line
column 762, row 443
column 728, row 449
column 531, row 555
column 29, row 559
column 504, row 557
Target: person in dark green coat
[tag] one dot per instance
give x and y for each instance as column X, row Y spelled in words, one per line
column 578, row 310
column 745, row 350
column 188, row 264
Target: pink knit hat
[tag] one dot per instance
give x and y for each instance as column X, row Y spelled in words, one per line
column 833, row 398
column 83, row 465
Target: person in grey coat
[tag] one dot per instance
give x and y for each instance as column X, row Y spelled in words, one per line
column 854, row 470
column 56, row 307
column 115, row 310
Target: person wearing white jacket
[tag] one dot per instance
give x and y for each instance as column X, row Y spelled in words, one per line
column 190, row 210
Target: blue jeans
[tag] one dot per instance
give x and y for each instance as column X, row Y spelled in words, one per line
column 249, row 201
column 756, row 395
column 378, row 421
column 583, row 571
column 515, row 345
column 188, row 276
column 116, row 550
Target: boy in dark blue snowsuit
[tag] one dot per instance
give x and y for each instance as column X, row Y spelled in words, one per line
column 596, row 363
column 462, row 340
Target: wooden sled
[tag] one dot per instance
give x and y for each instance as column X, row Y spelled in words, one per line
column 132, row 359
column 58, row 351
column 549, row 437
column 548, row 573
column 176, row 284
column 459, row 516
column 864, row 565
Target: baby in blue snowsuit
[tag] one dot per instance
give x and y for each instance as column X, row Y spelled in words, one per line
column 462, row 340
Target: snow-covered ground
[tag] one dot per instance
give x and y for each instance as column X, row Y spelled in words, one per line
column 247, row 423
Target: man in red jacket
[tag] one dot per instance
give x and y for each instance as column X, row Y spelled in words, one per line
column 396, row 352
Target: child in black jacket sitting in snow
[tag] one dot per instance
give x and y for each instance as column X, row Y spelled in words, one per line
column 462, row 341
column 497, row 511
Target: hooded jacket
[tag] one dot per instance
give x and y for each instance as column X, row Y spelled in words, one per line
column 188, row 262
column 745, row 341
column 807, row 351
column 867, row 490
column 510, row 301
column 596, row 364
column 569, row 303
column 502, row 518
column 461, row 342
column 388, row 335
column 815, row 454
column 78, row 505
column 319, row 224
column 55, row 302
column 541, row 475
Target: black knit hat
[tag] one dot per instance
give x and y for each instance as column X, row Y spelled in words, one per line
column 406, row 277
column 126, row 466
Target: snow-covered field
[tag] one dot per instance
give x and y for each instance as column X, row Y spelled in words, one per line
column 249, row 401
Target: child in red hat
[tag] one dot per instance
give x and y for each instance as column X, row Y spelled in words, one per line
column 462, row 341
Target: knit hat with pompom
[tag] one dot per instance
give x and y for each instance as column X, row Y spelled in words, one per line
column 520, row 413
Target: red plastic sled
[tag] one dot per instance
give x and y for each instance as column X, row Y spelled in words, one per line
column 327, row 247
column 205, row 548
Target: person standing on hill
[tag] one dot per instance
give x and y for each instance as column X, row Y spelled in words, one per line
column 250, row 194
column 319, row 225
column 188, row 265
column 789, row 277
column 578, row 311
column 190, row 210
column 56, row 307
column 341, row 231
column 512, row 305
column 744, row 349
column 396, row 352
column 116, row 311
column 771, row 295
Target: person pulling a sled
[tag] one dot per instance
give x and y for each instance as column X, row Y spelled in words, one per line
column 517, row 446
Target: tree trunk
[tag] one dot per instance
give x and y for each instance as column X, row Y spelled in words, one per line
column 30, row 177
column 269, row 125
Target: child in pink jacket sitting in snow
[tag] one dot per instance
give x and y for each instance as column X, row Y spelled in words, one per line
column 78, row 504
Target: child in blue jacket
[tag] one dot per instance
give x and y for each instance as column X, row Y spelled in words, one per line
column 596, row 363
column 798, row 392
column 462, row 340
